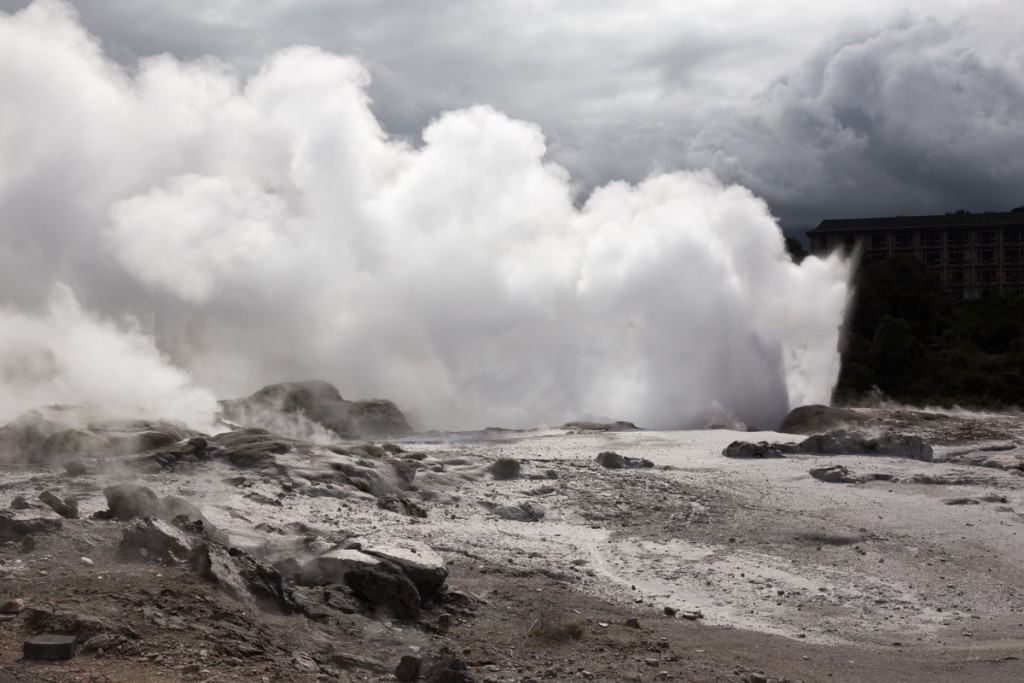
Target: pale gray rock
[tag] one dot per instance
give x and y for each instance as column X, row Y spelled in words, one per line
column 424, row 567
column 158, row 538
column 332, row 566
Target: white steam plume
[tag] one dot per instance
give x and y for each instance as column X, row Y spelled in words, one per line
column 71, row 356
column 270, row 230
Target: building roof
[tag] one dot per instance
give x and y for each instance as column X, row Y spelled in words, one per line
column 959, row 221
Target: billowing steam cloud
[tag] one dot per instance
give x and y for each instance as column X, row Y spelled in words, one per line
column 270, row 229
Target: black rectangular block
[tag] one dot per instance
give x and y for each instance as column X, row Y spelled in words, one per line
column 50, row 647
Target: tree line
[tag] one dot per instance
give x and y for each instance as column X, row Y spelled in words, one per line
column 906, row 337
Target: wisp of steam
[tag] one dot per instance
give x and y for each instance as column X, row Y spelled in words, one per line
column 174, row 231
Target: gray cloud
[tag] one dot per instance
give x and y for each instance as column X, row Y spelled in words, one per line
column 883, row 117
column 906, row 119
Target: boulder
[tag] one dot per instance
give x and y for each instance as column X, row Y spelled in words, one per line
column 66, row 508
column 385, row 587
column 505, row 468
column 418, row 561
column 320, row 403
column 524, row 512
column 126, row 501
column 444, row 667
column 614, row 461
column 814, row 419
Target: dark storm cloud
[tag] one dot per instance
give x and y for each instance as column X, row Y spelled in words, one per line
column 906, row 119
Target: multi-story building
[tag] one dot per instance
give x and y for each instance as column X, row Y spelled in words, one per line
column 975, row 255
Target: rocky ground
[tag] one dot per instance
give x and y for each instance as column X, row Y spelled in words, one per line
column 568, row 554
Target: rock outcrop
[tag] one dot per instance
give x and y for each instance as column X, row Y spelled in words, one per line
column 613, row 461
column 815, row 419
column 297, row 409
column 839, row 442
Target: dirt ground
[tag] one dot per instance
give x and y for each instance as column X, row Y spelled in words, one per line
column 693, row 569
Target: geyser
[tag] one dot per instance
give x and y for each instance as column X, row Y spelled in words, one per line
column 265, row 229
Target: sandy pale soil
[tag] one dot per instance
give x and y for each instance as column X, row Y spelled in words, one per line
column 698, row 567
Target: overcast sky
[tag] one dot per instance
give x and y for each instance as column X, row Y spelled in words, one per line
column 824, row 109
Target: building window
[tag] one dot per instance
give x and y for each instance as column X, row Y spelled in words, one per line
column 986, row 257
column 931, row 239
column 932, row 258
column 1011, row 256
column 1011, row 236
column 956, row 239
column 956, row 257
column 986, row 238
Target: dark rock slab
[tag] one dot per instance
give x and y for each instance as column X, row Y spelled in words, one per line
column 761, row 449
column 16, row 525
column 854, row 443
column 249, row 447
column 836, row 474
column 839, row 442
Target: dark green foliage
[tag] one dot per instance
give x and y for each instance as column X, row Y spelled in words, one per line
column 908, row 338
column 795, row 250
